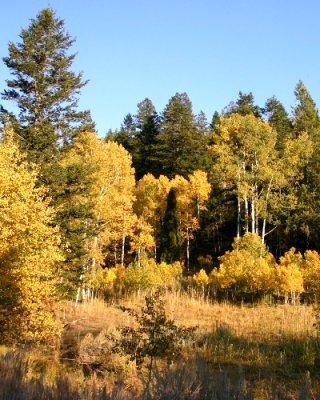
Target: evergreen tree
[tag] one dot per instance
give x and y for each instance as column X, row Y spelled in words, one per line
column 148, row 124
column 71, row 188
column 215, row 120
column 305, row 114
column 243, row 106
column 303, row 221
column 43, row 87
column 126, row 136
column 181, row 147
column 202, row 125
column 170, row 236
column 278, row 118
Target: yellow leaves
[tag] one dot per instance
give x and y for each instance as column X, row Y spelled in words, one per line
column 200, row 187
column 289, row 277
column 152, row 193
column 311, row 271
column 201, row 277
column 142, row 237
column 191, row 197
column 145, row 275
column 170, row 272
column 29, row 251
column 109, row 188
column 233, row 268
column 110, row 276
column 245, row 271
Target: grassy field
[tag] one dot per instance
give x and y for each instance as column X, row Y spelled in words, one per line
column 236, row 352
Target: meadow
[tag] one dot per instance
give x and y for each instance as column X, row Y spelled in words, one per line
column 234, row 351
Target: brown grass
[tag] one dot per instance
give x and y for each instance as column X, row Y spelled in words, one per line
column 247, row 351
column 253, row 322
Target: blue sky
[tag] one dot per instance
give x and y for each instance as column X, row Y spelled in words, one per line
column 133, row 49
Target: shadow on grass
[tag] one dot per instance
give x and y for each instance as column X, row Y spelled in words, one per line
column 283, row 360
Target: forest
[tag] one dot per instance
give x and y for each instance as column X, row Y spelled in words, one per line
column 220, row 211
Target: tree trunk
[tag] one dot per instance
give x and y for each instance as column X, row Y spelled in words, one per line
column 94, row 259
column 239, row 217
column 253, row 217
column 139, row 255
column 263, row 232
column 122, row 249
column 115, row 255
column 188, row 250
column 246, row 208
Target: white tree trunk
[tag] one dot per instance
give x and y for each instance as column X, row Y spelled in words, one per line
column 246, row 211
column 188, row 250
column 263, row 232
column 253, row 217
column 122, row 250
column 239, row 218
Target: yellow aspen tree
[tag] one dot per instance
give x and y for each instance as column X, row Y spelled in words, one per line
column 311, row 273
column 244, row 152
column 248, row 268
column 289, row 275
column 110, row 191
column 200, row 189
column 116, row 204
column 150, row 204
column 188, row 222
column 191, row 197
column 29, row 252
column 142, row 238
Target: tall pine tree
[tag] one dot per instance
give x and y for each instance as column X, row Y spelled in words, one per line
column 44, row 88
column 148, row 125
column 181, row 146
column 278, row 118
column 244, row 106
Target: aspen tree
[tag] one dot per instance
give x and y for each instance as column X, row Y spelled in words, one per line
column 29, row 252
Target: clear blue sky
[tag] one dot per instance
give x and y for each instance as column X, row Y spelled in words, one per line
column 133, row 49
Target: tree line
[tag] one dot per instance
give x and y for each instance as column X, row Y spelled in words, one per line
column 167, row 185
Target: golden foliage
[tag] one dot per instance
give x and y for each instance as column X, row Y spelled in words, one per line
column 311, row 272
column 29, row 252
column 201, row 277
column 289, row 276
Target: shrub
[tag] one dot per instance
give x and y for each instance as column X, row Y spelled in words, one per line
column 149, row 275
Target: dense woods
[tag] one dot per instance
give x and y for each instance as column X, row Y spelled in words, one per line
column 231, row 205
column 163, row 260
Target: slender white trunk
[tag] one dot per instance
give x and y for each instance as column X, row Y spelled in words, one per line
column 246, row 208
column 238, row 217
column 78, row 296
column 263, row 232
column 264, row 224
column 188, row 250
column 122, row 249
column 94, row 259
column 253, row 217
column 84, row 297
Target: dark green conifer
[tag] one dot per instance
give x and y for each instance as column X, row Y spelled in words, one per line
column 181, row 147
column 43, row 88
column 244, row 106
column 170, row 235
column 278, row 118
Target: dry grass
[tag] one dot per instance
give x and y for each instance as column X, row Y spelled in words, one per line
column 254, row 322
column 247, row 351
